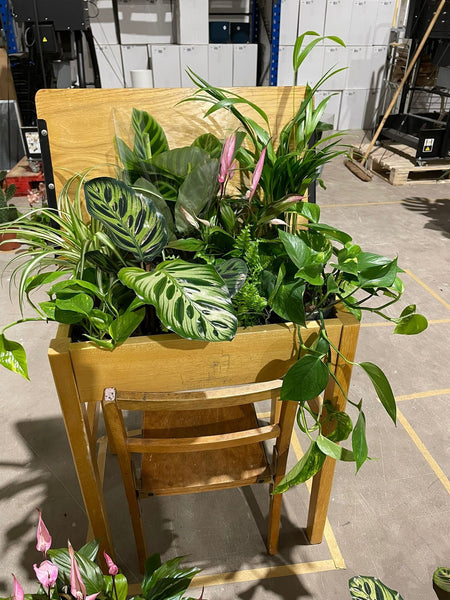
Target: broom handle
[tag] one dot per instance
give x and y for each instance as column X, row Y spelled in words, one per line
column 403, row 81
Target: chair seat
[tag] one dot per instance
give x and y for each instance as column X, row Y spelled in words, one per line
column 183, row 473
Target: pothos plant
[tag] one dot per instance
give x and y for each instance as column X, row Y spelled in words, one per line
column 202, row 239
column 66, row 574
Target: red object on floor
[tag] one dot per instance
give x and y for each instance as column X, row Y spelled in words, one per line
column 22, row 177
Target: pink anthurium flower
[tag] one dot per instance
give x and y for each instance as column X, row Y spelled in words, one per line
column 256, row 175
column 44, row 539
column 112, row 567
column 18, row 591
column 77, row 587
column 46, row 573
column 226, row 160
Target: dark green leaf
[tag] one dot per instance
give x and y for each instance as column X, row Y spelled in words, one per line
column 382, row 388
column 305, row 380
column 331, row 232
column 379, row 275
column 181, row 161
column 150, row 191
column 122, row 327
column 13, row 357
column 81, row 303
column 90, row 550
column 359, row 443
column 41, row 279
column 210, row 143
column 370, row 588
column 342, row 421
column 288, row 302
column 132, row 221
column 234, row 273
column 309, row 210
column 90, row 572
column 310, row 464
column 190, row 299
column 198, row 189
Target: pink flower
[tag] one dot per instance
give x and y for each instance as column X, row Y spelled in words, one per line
column 226, row 160
column 77, row 587
column 112, row 567
column 18, row 591
column 46, row 573
column 256, row 175
column 44, row 539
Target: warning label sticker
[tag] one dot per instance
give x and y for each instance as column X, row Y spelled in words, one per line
column 428, row 145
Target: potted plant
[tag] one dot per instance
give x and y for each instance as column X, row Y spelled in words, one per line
column 173, row 244
column 7, row 213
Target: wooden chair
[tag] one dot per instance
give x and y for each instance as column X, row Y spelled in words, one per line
column 201, row 440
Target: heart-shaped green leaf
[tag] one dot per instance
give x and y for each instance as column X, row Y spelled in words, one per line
column 132, row 220
column 191, row 300
column 122, row 327
column 305, row 380
column 12, row 356
column 310, row 464
column 410, row 322
column 333, row 450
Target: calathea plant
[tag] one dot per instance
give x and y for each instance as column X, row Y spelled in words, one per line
column 202, row 239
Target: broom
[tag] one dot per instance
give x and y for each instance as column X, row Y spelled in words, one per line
column 358, row 168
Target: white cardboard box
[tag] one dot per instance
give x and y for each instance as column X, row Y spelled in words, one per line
column 378, row 63
column 133, row 58
column 102, row 24
column 383, row 23
column 109, row 59
column 220, row 64
column 312, row 16
column 285, row 70
column 353, row 109
column 362, row 22
column 371, row 113
column 335, row 57
column 192, row 21
column 359, row 72
column 143, row 22
column 245, row 64
column 337, row 18
column 195, row 58
column 289, row 10
column 166, row 66
column 333, row 106
column 311, row 68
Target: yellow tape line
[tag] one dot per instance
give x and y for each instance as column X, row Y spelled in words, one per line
column 425, row 453
column 443, row 392
column 429, row 290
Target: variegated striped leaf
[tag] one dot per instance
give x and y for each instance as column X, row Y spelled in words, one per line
column 149, row 136
column 371, row 588
column 132, row 221
column 181, row 161
column 191, row 300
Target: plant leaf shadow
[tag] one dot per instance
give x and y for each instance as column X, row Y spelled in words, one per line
column 437, row 211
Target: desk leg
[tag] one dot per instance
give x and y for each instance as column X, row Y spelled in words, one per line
column 83, row 449
column 323, row 480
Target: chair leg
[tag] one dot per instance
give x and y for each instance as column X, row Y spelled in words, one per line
column 276, row 501
column 138, row 529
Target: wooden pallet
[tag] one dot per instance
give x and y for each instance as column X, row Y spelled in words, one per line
column 396, row 163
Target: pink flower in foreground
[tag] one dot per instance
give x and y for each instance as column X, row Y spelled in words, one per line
column 77, row 587
column 44, row 539
column 46, row 573
column 112, row 567
column 226, row 160
column 18, row 591
column 257, row 174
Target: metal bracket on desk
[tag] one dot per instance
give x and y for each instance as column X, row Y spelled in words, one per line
column 47, row 164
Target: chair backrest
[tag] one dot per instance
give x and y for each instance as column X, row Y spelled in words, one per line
column 114, row 402
column 81, row 123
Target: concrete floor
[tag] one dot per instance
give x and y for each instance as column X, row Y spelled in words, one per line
column 390, row 521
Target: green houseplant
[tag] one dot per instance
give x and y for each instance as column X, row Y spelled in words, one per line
column 200, row 239
column 75, row 575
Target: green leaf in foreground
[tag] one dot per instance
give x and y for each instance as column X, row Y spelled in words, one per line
column 310, row 464
column 359, row 443
column 305, row 380
column 382, row 388
column 13, row 357
column 370, row 588
column 410, row 322
column 190, row 299
column 333, row 450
